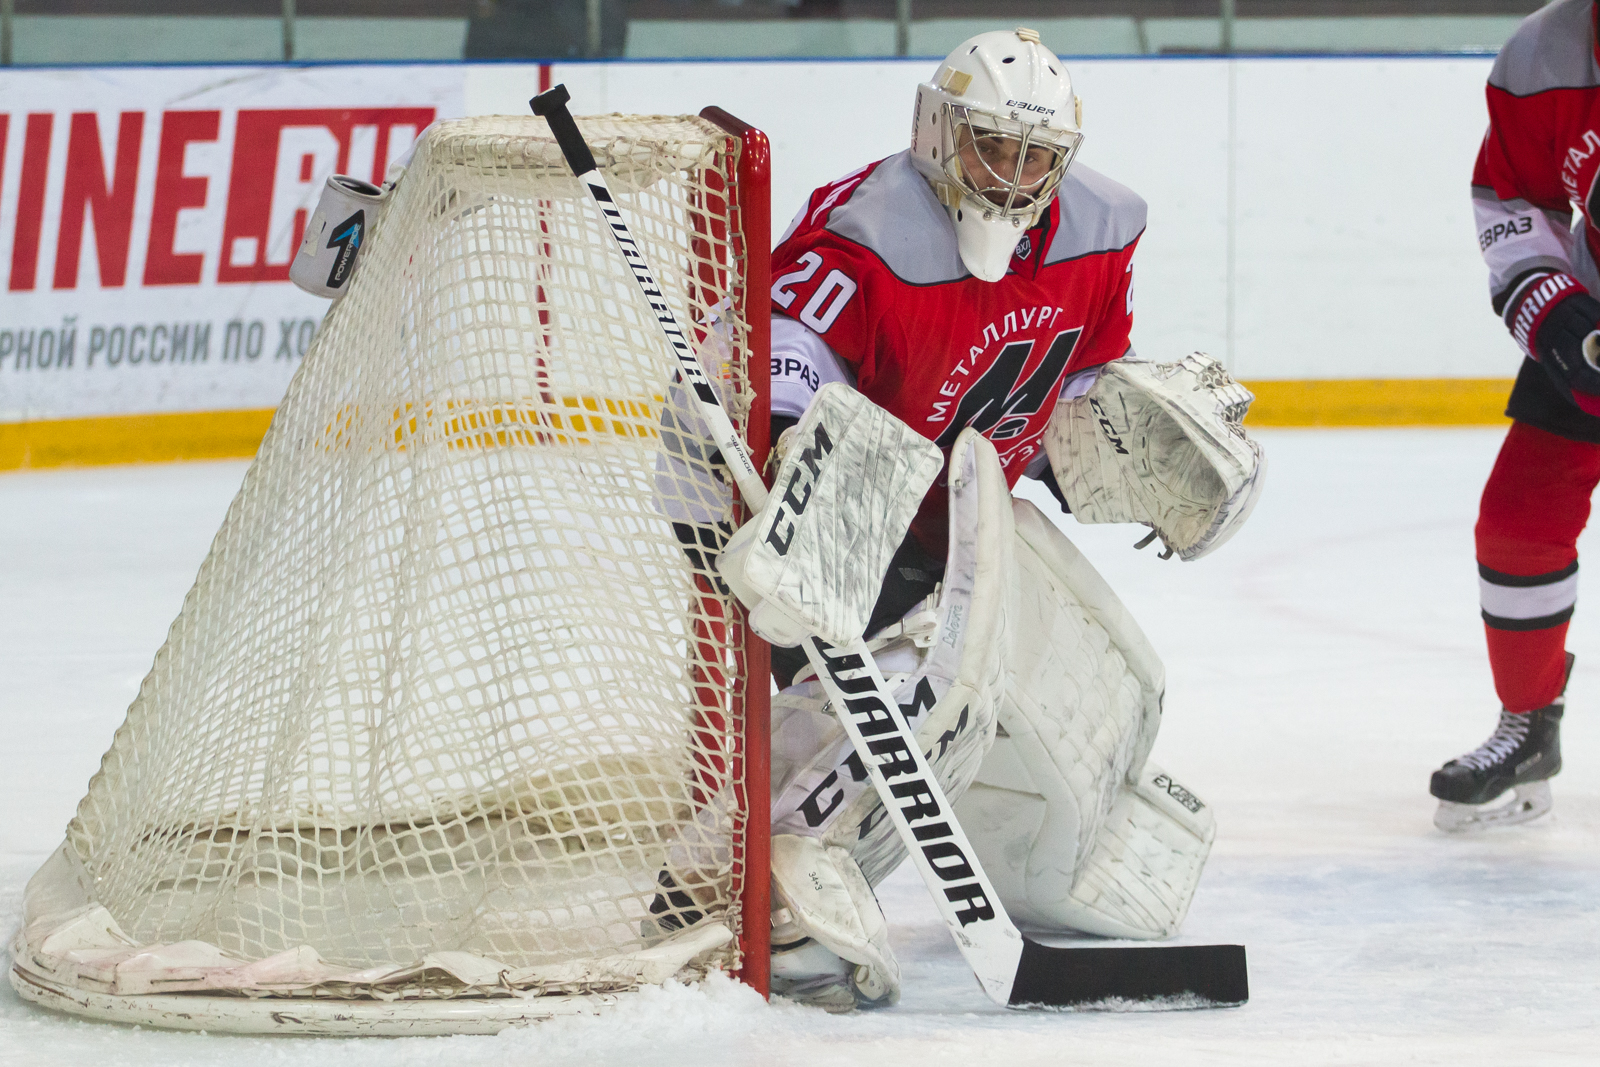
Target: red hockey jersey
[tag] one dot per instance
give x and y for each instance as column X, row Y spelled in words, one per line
column 871, row 265
column 1541, row 154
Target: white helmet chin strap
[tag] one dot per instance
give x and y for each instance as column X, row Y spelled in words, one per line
column 986, row 245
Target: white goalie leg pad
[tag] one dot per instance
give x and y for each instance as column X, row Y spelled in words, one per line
column 820, row 891
column 945, row 664
column 1162, row 444
column 1145, row 864
column 813, row 561
column 1081, row 710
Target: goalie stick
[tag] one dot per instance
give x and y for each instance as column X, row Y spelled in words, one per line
column 1013, row 970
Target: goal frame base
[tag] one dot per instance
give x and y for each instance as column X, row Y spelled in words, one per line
column 309, row 1016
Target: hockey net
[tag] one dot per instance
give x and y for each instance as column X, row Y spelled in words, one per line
column 452, row 730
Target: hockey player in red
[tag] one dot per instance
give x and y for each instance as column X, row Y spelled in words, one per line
column 978, row 288
column 1540, row 156
column 950, row 317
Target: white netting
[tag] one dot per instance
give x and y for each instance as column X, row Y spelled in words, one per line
column 448, row 680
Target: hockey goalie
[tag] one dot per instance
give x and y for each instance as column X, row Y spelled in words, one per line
column 969, row 300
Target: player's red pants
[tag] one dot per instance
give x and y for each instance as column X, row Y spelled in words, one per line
column 1534, row 507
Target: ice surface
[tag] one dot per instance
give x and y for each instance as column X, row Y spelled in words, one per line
column 1319, row 666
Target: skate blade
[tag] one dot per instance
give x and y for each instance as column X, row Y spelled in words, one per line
column 1525, row 803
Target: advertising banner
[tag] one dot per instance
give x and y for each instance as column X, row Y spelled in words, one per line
column 148, row 217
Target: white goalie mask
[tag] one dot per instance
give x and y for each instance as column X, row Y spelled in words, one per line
column 994, row 132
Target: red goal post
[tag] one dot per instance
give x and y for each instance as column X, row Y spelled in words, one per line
column 753, row 204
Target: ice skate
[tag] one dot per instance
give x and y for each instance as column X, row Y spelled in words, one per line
column 1505, row 781
column 806, row 971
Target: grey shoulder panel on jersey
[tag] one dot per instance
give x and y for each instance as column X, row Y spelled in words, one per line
column 1553, row 48
column 1097, row 215
column 1488, row 195
column 894, row 214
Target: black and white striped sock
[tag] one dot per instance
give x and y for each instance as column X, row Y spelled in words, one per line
column 1527, row 602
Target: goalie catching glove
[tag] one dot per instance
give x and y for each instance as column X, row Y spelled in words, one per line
column 1162, row 444
column 813, row 560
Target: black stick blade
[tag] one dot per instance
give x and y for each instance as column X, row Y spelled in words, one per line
column 1193, row 976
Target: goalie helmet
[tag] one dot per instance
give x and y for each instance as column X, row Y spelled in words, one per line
column 994, row 132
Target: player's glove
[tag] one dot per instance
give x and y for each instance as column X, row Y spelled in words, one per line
column 1557, row 322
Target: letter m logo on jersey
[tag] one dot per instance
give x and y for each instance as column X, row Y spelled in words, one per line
column 1000, row 408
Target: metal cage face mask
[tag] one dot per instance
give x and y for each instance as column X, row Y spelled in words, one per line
column 1013, row 165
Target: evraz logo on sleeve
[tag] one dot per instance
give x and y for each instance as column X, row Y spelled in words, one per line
column 1516, row 227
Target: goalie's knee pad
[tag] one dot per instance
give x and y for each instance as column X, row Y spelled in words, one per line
column 830, row 942
column 945, row 664
column 1064, row 813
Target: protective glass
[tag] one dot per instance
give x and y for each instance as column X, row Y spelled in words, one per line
column 1016, row 166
